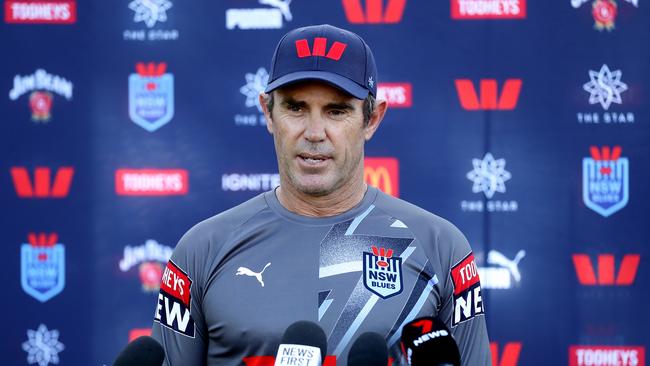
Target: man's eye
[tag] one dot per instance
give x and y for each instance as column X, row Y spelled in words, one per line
column 337, row 112
column 295, row 108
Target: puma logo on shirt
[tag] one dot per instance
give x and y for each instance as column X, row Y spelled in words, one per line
column 247, row 272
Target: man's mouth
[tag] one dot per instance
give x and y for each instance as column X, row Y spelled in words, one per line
column 313, row 158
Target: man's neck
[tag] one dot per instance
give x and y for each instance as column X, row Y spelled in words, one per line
column 333, row 204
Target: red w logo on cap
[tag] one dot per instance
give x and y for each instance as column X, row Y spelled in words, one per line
column 320, row 44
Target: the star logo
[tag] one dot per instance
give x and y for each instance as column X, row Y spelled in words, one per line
column 489, row 175
column 605, row 87
column 43, row 346
column 150, row 11
column 255, row 84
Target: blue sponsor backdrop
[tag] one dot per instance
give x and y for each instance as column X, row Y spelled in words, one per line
column 507, row 170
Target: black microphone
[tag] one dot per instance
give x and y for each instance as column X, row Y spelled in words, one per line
column 369, row 349
column 428, row 341
column 303, row 343
column 144, row 351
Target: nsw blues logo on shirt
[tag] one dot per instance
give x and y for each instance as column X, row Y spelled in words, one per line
column 382, row 273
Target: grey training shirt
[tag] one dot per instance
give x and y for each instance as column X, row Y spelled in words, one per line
column 237, row 280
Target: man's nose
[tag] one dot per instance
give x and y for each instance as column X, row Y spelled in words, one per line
column 315, row 129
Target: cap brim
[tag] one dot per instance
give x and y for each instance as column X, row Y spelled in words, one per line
column 336, row 80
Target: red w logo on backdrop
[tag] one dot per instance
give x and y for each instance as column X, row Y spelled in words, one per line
column 41, row 186
column 509, row 356
column 374, row 12
column 489, row 97
column 587, row 275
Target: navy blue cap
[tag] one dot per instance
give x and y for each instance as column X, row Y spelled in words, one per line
column 323, row 52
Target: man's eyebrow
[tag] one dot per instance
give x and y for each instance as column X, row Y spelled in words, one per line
column 340, row 105
column 289, row 101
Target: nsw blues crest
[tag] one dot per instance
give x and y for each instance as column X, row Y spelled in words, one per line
column 42, row 266
column 605, row 180
column 382, row 273
column 151, row 96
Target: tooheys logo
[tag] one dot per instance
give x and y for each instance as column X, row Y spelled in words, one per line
column 44, row 12
column 488, row 9
column 382, row 173
column 174, row 301
column 374, row 13
column 509, row 355
column 606, row 270
column 397, row 95
column 606, row 356
column 151, row 182
column 489, row 96
column 467, row 290
column 42, row 186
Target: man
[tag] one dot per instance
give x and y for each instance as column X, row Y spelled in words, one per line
column 323, row 246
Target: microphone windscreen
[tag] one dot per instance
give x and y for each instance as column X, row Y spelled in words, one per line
column 144, row 351
column 428, row 341
column 306, row 333
column 369, row 349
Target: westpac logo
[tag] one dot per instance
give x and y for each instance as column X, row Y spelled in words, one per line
column 151, row 96
column 605, row 180
column 150, row 12
column 150, row 259
column 489, row 99
column 382, row 173
column 488, row 9
column 605, row 274
column 606, row 356
column 501, row 270
column 509, row 355
column 605, row 88
column 41, row 87
column 151, row 182
column 41, row 12
column 42, row 266
column 397, row 95
column 41, row 186
column 604, row 12
column 319, row 48
column 375, row 12
column 260, row 18
column 382, row 273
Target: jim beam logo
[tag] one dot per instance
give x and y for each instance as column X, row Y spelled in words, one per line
column 174, row 301
column 42, row 266
column 605, row 180
column 149, row 258
column 41, row 86
column 468, row 302
column 382, row 273
column 151, row 96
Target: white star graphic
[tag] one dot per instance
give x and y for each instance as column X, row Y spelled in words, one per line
column 255, row 83
column 605, row 87
column 489, row 175
column 150, row 11
column 43, row 346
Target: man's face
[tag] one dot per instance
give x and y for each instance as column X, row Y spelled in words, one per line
column 319, row 136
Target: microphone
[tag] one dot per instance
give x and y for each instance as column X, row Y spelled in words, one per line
column 369, row 349
column 144, row 351
column 428, row 341
column 303, row 344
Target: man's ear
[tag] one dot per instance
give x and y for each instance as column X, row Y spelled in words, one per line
column 263, row 99
column 375, row 119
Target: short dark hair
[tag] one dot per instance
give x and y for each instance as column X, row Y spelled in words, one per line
column 369, row 105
